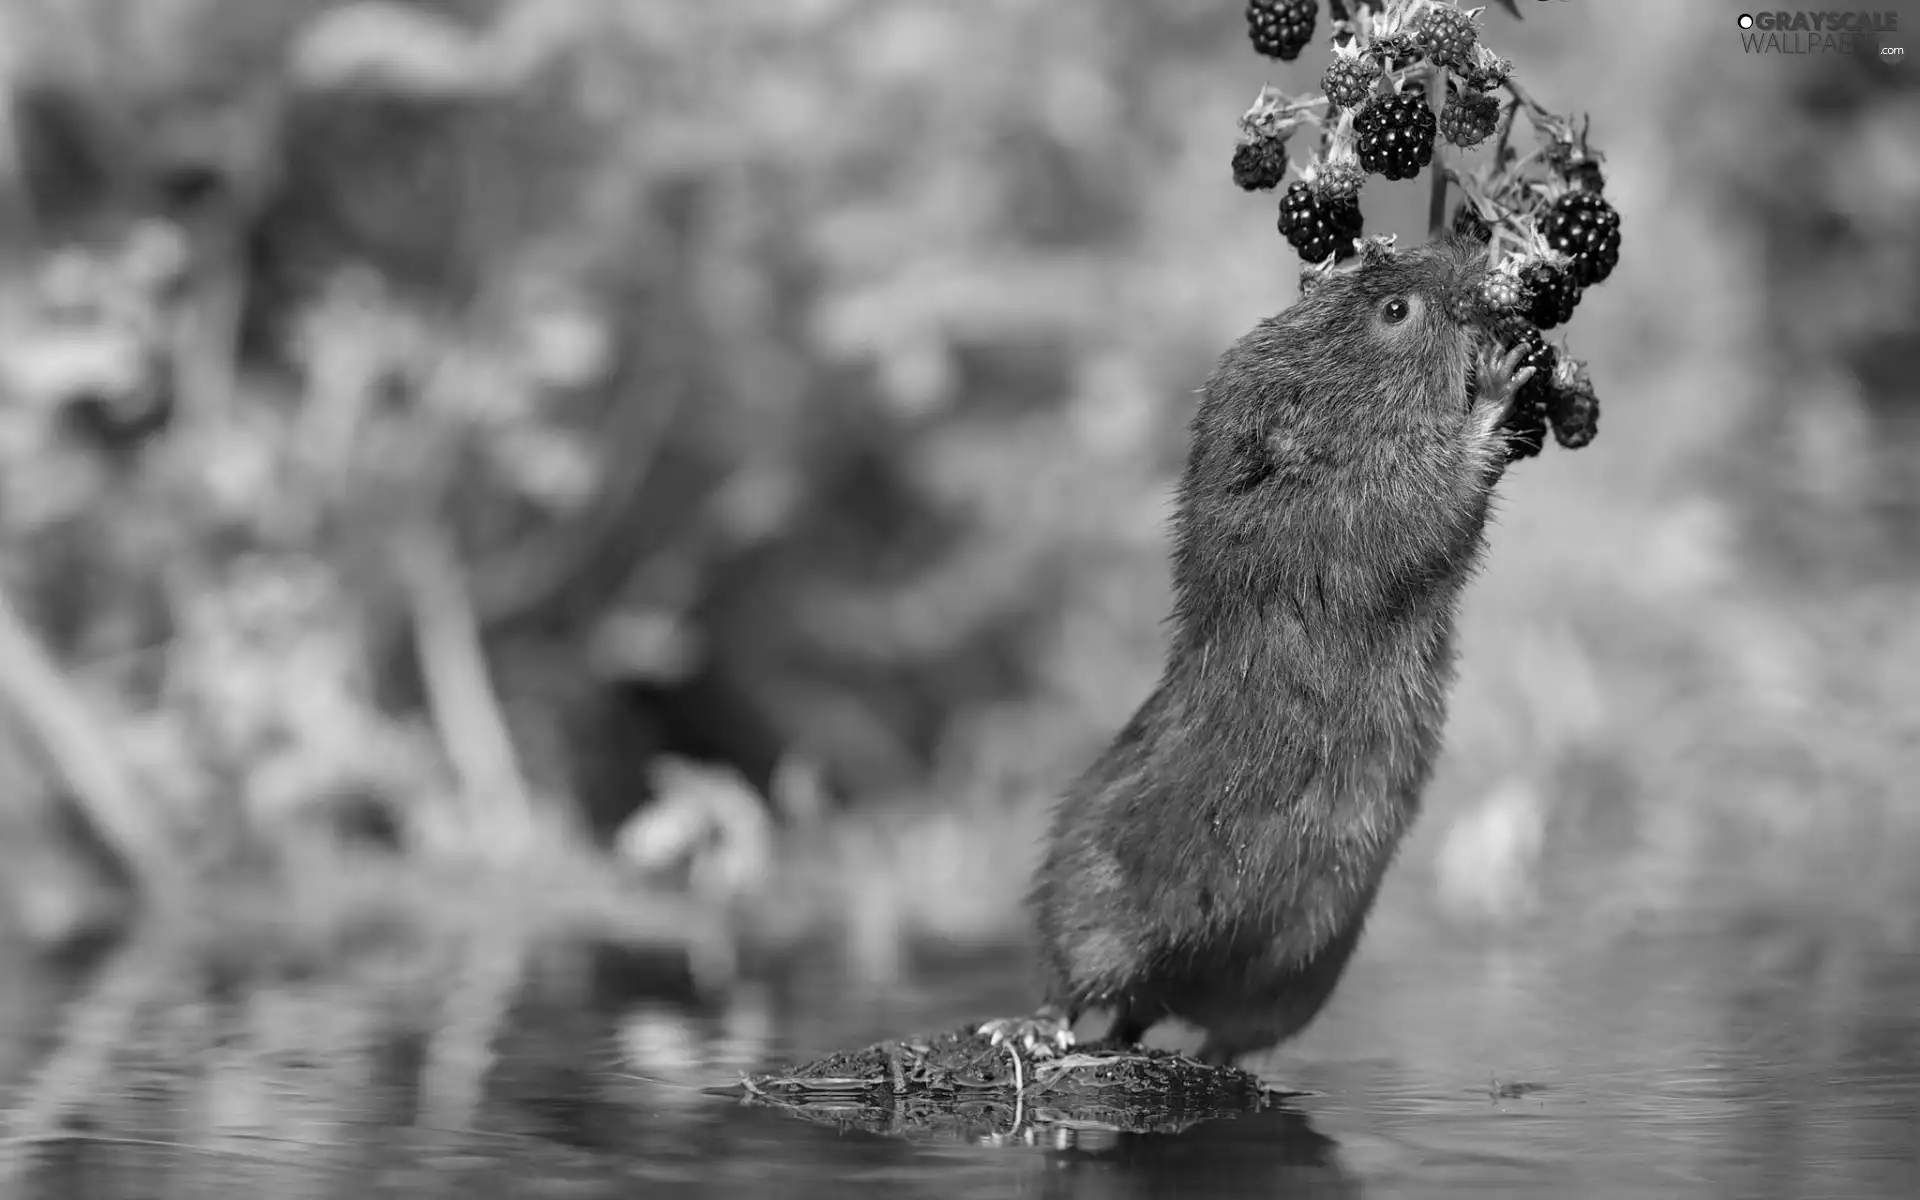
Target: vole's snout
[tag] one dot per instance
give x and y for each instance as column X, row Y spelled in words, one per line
column 1466, row 301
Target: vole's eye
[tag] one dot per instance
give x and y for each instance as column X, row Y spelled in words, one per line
column 1395, row 310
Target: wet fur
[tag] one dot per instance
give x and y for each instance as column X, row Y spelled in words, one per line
column 1218, row 862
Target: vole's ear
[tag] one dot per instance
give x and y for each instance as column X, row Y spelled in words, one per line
column 1271, row 440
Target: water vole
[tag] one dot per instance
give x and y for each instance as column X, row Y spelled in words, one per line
column 1218, row 861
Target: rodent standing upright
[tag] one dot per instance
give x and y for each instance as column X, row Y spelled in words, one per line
column 1218, row 861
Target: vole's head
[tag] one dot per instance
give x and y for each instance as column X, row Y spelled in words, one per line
column 1369, row 366
column 1338, row 424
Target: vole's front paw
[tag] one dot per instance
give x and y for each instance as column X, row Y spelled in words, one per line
column 1498, row 379
column 1042, row 1035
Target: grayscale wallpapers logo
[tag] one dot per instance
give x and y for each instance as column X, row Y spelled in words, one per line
column 1831, row 32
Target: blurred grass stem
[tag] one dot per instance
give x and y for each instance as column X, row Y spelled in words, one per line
column 460, row 694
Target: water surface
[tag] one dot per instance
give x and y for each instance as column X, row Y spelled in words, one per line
column 1672, row 1066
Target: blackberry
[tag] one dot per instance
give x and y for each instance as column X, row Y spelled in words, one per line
column 1469, row 118
column 1395, row 135
column 1281, row 28
column 1503, row 293
column 1468, row 223
column 1260, row 164
column 1448, row 36
column 1552, row 292
column 1349, row 77
column 1585, row 228
column 1527, row 423
column 1316, row 227
column 1339, row 179
column 1573, row 408
column 1526, row 431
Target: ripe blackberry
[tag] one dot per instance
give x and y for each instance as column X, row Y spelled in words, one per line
column 1526, row 431
column 1540, row 356
column 1585, row 228
column 1469, row 118
column 1552, row 292
column 1395, row 135
column 1281, row 28
column 1349, row 77
column 1260, row 164
column 1572, row 406
column 1467, row 223
column 1527, row 423
column 1316, row 227
column 1448, row 36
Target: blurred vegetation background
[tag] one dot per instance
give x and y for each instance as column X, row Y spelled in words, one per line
column 729, row 446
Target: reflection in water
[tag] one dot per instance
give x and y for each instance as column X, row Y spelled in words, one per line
column 1274, row 1153
column 1675, row 1067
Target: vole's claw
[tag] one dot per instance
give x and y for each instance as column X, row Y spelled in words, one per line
column 1042, row 1035
column 1500, row 379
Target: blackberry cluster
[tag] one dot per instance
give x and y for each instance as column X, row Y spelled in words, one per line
column 1395, row 135
column 1260, row 164
column 1469, row 118
column 1281, row 28
column 1585, row 228
column 1315, row 227
column 1553, row 294
column 1448, row 37
column 1349, row 79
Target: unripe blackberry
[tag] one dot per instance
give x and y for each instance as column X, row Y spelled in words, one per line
column 1395, row 135
column 1316, row 228
column 1349, row 78
column 1339, row 180
column 1585, row 228
column 1469, row 118
column 1281, row 28
column 1260, row 164
column 1502, row 293
column 1552, row 294
column 1448, row 35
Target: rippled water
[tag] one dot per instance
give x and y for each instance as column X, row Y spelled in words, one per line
column 1670, row 1067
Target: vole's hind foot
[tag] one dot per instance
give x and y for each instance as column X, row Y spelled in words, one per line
column 1498, row 378
column 1044, row 1034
